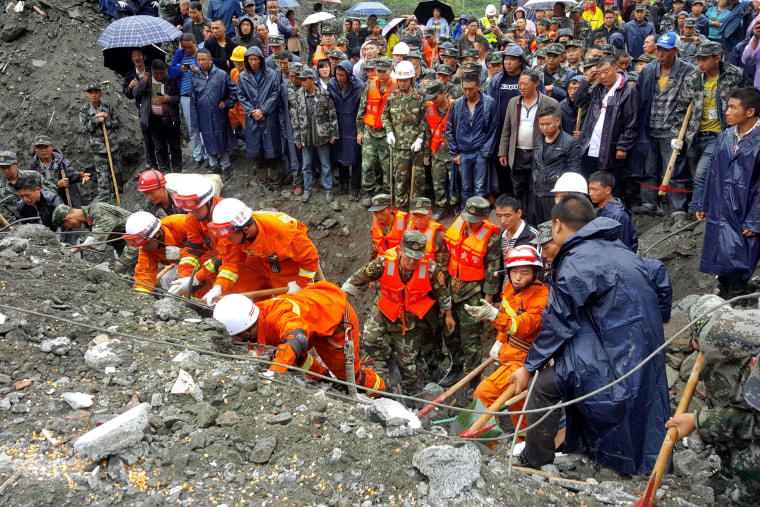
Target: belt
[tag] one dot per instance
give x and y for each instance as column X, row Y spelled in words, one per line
column 708, row 134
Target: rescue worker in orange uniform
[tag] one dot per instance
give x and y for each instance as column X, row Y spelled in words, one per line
column 160, row 242
column 237, row 114
column 260, row 250
column 517, row 321
column 318, row 317
column 328, row 44
column 388, row 224
column 475, row 260
column 371, row 135
column 435, row 148
column 410, row 284
column 196, row 195
column 430, row 48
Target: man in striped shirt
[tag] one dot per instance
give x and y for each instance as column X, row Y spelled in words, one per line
column 515, row 230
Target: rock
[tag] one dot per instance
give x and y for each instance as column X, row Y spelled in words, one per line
column 317, row 402
column 187, row 358
column 23, row 384
column 12, row 30
column 4, row 379
column 59, row 346
column 104, row 354
column 432, row 390
column 283, row 419
column 683, row 342
column 205, row 414
column 672, row 375
column 156, row 400
column 5, row 405
column 688, row 364
column 116, row 435
column 705, row 493
column 77, row 401
column 450, row 470
column 226, row 419
column 15, row 244
column 688, row 463
column 186, row 385
column 383, row 410
column 329, row 223
column 287, row 477
column 262, row 450
column 116, row 470
column 675, row 359
column 336, row 455
column 167, row 309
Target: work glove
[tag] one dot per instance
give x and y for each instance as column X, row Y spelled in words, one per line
column 391, row 139
column 123, row 5
column 349, row 288
column 293, row 287
column 172, row 252
column 417, row 145
column 155, row 5
column 179, row 285
column 495, row 350
column 481, row 313
column 676, row 145
column 214, row 293
column 268, row 374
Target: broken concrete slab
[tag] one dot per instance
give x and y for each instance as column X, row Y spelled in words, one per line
column 167, row 309
column 77, row 401
column 387, row 412
column 104, row 354
column 186, row 385
column 116, row 435
column 59, row 346
column 450, row 470
column 262, row 450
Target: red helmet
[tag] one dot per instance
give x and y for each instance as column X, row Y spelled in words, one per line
column 524, row 255
column 151, row 180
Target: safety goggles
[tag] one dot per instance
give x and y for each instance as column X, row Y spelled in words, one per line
column 136, row 239
column 223, row 229
column 186, row 202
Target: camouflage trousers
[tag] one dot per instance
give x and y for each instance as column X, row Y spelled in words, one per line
column 745, row 466
column 431, row 339
column 106, row 191
column 125, row 267
column 382, row 339
column 269, row 172
column 375, row 175
column 404, row 161
column 464, row 343
column 440, row 172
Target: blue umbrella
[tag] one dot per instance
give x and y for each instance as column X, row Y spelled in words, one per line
column 367, row 8
column 289, row 3
column 137, row 31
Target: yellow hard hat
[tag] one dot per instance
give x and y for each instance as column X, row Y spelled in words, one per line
column 238, row 54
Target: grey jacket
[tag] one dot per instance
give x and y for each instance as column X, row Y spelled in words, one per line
column 171, row 88
column 508, row 142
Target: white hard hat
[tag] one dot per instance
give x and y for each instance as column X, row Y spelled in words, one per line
column 401, row 48
column 237, row 313
column 229, row 215
column 141, row 226
column 571, row 182
column 491, row 10
column 193, row 192
column 524, row 255
column 404, row 70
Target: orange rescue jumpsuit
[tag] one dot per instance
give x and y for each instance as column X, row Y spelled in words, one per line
column 517, row 325
column 147, row 262
column 320, row 311
column 200, row 252
column 236, row 114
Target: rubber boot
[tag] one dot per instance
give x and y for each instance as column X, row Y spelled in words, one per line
column 454, row 375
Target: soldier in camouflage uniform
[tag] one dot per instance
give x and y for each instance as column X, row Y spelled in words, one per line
column 688, row 50
column 553, row 74
column 435, row 149
column 375, row 151
column 294, row 73
column 450, row 57
column 400, row 335
column 729, row 341
column 668, row 21
column 404, row 121
column 444, row 73
column 581, row 27
column 315, row 128
column 91, row 116
column 107, row 222
column 470, row 232
column 10, row 176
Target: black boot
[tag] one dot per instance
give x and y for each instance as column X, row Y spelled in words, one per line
column 440, row 213
column 454, row 375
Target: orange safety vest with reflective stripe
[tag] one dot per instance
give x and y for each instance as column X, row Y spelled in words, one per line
column 437, row 125
column 385, row 242
column 376, row 102
column 146, row 269
column 468, row 254
column 431, row 52
column 430, row 233
column 201, row 247
column 519, row 320
column 319, row 54
column 397, row 297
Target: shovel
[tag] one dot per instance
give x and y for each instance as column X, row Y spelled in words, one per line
column 456, row 387
column 509, row 403
column 495, row 406
column 670, row 438
column 674, row 156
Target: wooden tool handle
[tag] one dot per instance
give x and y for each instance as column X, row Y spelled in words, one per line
column 456, row 387
column 674, row 155
column 110, row 161
column 495, row 406
column 578, row 120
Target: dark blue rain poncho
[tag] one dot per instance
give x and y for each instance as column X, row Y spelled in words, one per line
column 346, row 151
column 261, row 91
column 602, row 319
column 731, row 198
column 206, row 92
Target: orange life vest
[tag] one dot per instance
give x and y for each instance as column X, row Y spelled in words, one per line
column 432, row 230
column 393, row 239
column 376, row 102
column 467, row 255
column 437, row 125
column 396, row 297
column 319, row 54
column 431, row 52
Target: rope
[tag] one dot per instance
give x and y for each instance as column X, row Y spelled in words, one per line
column 682, row 229
column 519, row 422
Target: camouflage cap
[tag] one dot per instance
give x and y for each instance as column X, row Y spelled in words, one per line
column 573, row 43
column 591, row 62
column 555, row 21
column 306, row 73
column 328, row 30
column 428, row 74
column 540, row 53
column 8, row 158
column 631, row 76
column 341, row 41
column 640, row 7
column 434, row 88
column 473, row 68
column 59, row 213
column 443, row 39
column 43, row 141
column 752, row 388
column 276, row 40
column 475, row 209
column 470, row 53
column 513, row 27
column 414, row 244
column 249, row 3
column 545, row 22
column 690, row 23
column 337, row 53
column 445, row 69
column 544, row 232
column 414, row 53
column 709, row 48
column 646, row 58
column 608, row 49
column 430, row 31
column 555, row 49
column 421, row 204
column 577, row 8
column 565, row 31
column 698, row 2
column 370, row 64
column 380, row 202
column 295, row 68
column 93, row 86
column 542, row 38
column 450, row 52
column 495, row 57
column 383, row 63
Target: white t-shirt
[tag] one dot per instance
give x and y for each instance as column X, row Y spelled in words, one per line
column 525, row 128
column 596, row 135
column 272, row 27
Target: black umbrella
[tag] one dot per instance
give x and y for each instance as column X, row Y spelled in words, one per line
column 120, row 59
column 424, row 11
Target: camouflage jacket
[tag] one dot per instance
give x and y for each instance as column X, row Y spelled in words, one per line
column 90, row 125
column 688, row 52
column 442, row 154
column 453, row 90
column 491, row 284
column 292, row 90
column 362, row 111
column 404, row 115
column 668, row 22
column 314, row 119
column 582, row 31
column 9, row 195
column 106, row 222
column 731, row 78
column 559, row 78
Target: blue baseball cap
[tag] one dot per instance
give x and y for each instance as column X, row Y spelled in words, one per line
column 514, row 50
column 667, row 40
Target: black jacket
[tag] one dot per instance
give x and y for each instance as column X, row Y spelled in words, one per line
column 221, row 55
column 43, row 210
column 51, row 176
column 132, row 74
column 620, row 122
column 570, row 115
column 550, row 161
column 171, row 88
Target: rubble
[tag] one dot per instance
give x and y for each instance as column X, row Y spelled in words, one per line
column 450, row 470
column 77, row 400
column 116, row 435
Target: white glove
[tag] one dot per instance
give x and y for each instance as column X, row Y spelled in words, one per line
column 349, row 288
column 172, row 252
column 155, row 5
column 268, row 374
column 391, row 139
column 214, row 293
column 676, row 145
column 481, row 313
column 179, row 285
column 417, row 145
column 293, row 287
column 123, row 5
column 495, row 350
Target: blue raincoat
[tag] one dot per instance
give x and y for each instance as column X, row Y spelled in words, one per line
column 262, row 91
column 603, row 318
column 205, row 95
column 346, row 151
column 731, row 199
